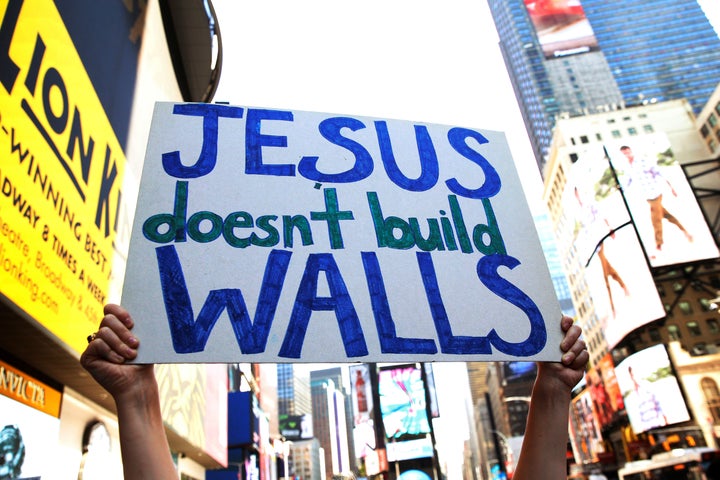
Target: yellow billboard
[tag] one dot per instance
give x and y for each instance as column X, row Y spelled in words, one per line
column 61, row 171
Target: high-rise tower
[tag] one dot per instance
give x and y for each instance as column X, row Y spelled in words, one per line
column 567, row 59
column 554, row 64
column 657, row 50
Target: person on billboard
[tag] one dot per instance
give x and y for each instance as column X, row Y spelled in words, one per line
column 646, row 404
column 590, row 215
column 146, row 453
column 647, row 178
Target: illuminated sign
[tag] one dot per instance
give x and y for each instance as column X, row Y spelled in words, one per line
column 25, row 389
column 617, row 275
column 663, row 206
column 61, row 170
column 402, row 401
column 561, row 27
column 651, row 392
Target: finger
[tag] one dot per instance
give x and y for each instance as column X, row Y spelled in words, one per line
column 119, row 312
column 572, row 335
column 580, row 360
column 566, row 322
column 117, row 337
column 576, row 355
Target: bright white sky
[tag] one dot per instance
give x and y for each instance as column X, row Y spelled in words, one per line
column 419, row 60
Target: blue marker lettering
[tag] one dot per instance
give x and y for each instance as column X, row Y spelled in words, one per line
column 330, row 130
column 491, row 185
column 487, row 272
column 190, row 335
column 430, row 170
column 208, row 154
column 307, row 301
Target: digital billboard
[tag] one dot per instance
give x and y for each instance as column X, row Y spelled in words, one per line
column 295, row 427
column 585, row 435
column 604, row 390
column 663, row 206
column 651, row 392
column 402, row 401
column 561, row 27
column 516, row 371
column 616, row 272
column 362, row 399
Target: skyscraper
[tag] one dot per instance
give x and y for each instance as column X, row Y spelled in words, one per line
column 331, row 424
column 657, row 50
column 567, row 59
column 293, row 390
column 555, row 71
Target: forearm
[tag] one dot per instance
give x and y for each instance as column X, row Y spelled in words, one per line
column 543, row 451
column 144, row 446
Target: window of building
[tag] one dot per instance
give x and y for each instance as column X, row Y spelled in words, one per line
column 626, row 119
column 598, row 137
column 642, row 115
column 612, row 120
column 713, row 325
column 717, row 107
column 632, row 131
column 712, row 120
column 685, row 307
column 648, row 128
column 712, row 397
column 693, row 328
column 654, row 334
column 616, row 133
column 584, row 139
column 704, row 130
column 572, row 140
column 674, row 332
column 573, row 157
column 677, row 286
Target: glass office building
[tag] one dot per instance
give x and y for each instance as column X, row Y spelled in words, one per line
column 574, row 58
column 657, row 50
column 555, row 65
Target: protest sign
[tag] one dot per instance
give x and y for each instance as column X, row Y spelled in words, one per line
column 268, row 235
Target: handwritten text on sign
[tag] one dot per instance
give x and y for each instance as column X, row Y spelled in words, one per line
column 275, row 235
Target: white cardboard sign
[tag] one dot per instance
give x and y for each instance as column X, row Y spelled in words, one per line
column 288, row 236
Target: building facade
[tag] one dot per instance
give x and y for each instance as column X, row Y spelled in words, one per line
column 600, row 56
column 658, row 51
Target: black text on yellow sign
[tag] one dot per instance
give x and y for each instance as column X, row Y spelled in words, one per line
column 61, row 169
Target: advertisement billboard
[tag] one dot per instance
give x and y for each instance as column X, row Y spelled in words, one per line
column 615, row 269
column 295, row 427
column 561, row 27
column 29, row 425
column 651, row 392
column 61, row 175
column 604, row 390
column 519, row 371
column 402, row 401
column 663, row 206
column 585, row 435
column 361, row 389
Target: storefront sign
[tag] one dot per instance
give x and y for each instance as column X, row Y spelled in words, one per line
column 61, row 169
column 25, row 389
